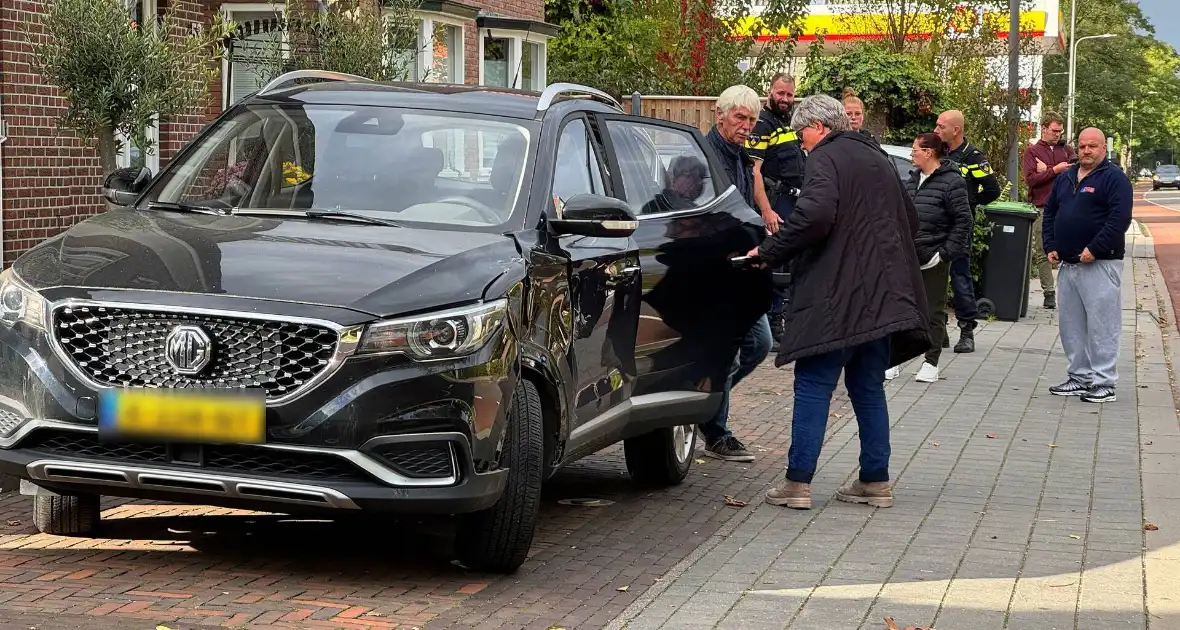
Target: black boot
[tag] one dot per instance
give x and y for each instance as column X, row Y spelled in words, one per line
column 966, row 342
column 1050, row 300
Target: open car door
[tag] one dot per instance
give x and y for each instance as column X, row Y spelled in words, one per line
column 696, row 304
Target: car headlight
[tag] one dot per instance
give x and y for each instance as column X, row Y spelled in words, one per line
column 19, row 303
column 441, row 335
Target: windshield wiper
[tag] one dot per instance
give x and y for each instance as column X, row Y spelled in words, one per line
column 182, row 207
column 341, row 214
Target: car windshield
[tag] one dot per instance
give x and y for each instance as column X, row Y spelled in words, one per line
column 402, row 165
column 1168, row 170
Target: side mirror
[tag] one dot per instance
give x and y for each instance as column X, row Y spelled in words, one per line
column 595, row 215
column 123, row 187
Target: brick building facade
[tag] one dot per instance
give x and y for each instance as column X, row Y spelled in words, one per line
column 49, row 180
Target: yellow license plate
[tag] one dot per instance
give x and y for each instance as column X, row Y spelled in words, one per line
column 171, row 415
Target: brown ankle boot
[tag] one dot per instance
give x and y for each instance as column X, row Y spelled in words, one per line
column 876, row 494
column 793, row 494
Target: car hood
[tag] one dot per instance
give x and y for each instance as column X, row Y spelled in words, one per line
column 375, row 269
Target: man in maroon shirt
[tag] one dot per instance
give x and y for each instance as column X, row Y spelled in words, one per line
column 1043, row 161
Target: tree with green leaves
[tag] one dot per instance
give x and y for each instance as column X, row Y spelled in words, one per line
column 684, row 47
column 901, row 96
column 115, row 75
column 1131, row 67
column 375, row 39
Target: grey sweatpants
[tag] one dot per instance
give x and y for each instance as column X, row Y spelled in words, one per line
column 1090, row 319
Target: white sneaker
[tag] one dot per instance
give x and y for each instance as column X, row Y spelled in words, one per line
column 927, row 374
column 892, row 373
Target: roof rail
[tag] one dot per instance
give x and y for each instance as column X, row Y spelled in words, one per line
column 293, row 76
column 553, row 91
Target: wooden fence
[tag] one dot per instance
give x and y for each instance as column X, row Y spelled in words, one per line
column 697, row 111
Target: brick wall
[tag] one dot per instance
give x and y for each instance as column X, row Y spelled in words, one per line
column 50, row 180
column 178, row 131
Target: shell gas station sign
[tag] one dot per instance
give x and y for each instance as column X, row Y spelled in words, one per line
column 838, row 25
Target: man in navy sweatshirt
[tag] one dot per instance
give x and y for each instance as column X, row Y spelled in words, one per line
column 1086, row 218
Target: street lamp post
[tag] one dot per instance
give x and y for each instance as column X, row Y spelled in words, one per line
column 1131, row 135
column 1073, row 78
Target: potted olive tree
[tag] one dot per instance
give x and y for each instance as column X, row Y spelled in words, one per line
column 116, row 75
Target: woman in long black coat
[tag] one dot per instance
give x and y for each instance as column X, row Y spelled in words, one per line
column 945, row 222
column 857, row 304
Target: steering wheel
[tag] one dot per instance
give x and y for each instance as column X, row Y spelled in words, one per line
column 484, row 211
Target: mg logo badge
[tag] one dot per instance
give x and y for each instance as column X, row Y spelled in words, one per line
column 188, row 349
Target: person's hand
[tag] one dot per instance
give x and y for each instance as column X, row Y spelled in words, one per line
column 1041, row 166
column 772, row 220
column 1052, row 256
column 1086, row 256
column 1061, row 167
column 754, row 253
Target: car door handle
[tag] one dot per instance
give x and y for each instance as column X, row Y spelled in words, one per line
column 623, row 275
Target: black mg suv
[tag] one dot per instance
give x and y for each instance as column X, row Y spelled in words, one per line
column 353, row 296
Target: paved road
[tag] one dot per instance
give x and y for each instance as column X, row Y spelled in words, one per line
column 1160, row 211
column 1040, row 526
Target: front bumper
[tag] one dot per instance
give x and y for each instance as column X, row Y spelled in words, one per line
column 378, row 433
column 68, row 458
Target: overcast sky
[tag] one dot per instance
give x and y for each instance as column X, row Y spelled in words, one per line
column 1165, row 16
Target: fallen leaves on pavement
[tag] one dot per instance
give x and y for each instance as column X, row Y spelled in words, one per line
column 622, row 589
column 892, row 625
column 991, row 436
column 1151, row 527
column 699, row 461
column 13, row 523
column 732, row 502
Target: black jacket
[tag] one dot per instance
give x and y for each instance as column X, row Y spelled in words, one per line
column 738, row 164
column 944, row 213
column 850, row 244
column 982, row 186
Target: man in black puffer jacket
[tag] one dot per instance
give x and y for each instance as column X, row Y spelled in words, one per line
column 944, row 234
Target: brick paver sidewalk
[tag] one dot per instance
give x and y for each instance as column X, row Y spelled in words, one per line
column 1015, row 508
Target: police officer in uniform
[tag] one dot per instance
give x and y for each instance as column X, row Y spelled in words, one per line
column 982, row 189
column 778, row 171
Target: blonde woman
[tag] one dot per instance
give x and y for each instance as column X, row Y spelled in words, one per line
column 855, row 109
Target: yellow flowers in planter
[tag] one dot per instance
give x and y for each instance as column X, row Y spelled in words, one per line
column 294, row 174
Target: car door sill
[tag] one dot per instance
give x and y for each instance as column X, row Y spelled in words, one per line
column 643, row 414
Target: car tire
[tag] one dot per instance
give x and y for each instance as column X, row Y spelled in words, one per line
column 66, row 514
column 662, row 457
column 497, row 540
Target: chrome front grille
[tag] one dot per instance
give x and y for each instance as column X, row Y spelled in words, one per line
column 125, row 347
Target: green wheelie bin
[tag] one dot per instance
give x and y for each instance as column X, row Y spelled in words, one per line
column 1006, row 266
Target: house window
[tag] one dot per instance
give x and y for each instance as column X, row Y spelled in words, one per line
column 405, row 60
column 247, row 68
column 532, row 67
column 446, row 50
column 142, row 13
column 512, row 59
column 496, row 54
column 436, row 54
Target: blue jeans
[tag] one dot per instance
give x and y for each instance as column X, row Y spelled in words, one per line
column 963, row 288
column 752, row 351
column 784, row 205
column 815, row 380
